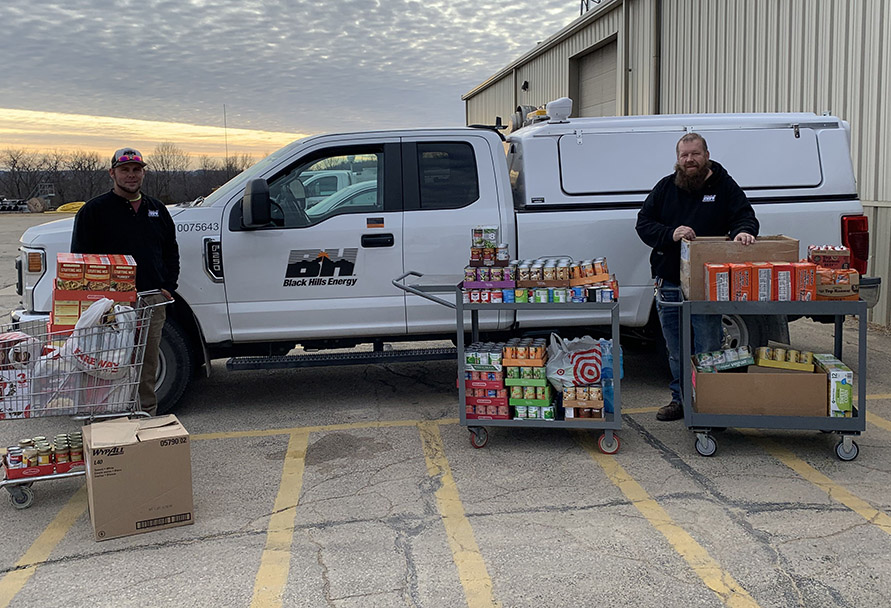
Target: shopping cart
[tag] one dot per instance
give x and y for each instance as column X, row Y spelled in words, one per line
column 89, row 372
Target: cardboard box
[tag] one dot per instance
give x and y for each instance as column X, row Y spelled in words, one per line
column 841, row 385
column 123, row 273
column 717, row 282
column 805, row 282
column 829, row 256
column 741, row 282
column 719, row 250
column 139, row 476
column 764, row 393
column 762, row 281
column 837, row 284
column 783, row 281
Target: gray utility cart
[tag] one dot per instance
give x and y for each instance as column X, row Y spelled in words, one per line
column 427, row 286
column 704, row 423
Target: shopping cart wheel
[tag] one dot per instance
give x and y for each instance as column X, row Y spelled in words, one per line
column 21, row 497
column 479, row 436
column 608, row 446
column 705, row 445
column 847, row 453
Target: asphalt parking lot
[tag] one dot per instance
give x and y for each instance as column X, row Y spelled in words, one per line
column 357, row 487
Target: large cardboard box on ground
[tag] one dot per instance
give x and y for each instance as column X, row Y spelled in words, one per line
column 139, row 476
column 762, row 392
column 720, row 250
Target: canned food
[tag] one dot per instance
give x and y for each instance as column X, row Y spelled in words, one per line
column 507, row 296
column 29, row 456
column 476, row 236
column 559, row 295
column 563, row 271
column 484, row 296
column 474, row 296
column 526, row 372
column 495, row 297
column 581, row 393
column 548, row 413
column 764, row 352
column 465, row 296
column 62, row 454
column 779, row 354
column 538, row 373
column 44, row 456
column 541, row 296
column 26, row 443
column 483, row 273
column 549, row 273
column 504, row 410
column 482, row 357
column 524, row 273
column 512, row 372
column 490, row 235
column 541, row 392
column 509, row 273
column 806, row 356
column 575, row 270
column 502, row 253
column 536, row 272
column 583, row 412
column 496, row 273
column 792, row 356
column 521, row 411
column 588, row 268
column 522, row 352
column 595, row 393
column 491, row 410
column 516, row 392
column 495, row 357
column 488, row 256
column 536, row 351
column 521, row 296
column 77, row 452
column 569, row 393
column 14, row 458
column 469, row 409
column 528, row 392
column 476, row 254
column 533, row 411
column 469, row 273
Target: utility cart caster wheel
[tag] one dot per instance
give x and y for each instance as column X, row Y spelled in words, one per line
column 706, row 445
column 608, row 446
column 846, row 454
column 21, row 497
column 479, row 437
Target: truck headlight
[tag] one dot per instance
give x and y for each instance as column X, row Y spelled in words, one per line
column 32, row 267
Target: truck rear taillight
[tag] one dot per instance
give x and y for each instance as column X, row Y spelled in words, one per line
column 855, row 236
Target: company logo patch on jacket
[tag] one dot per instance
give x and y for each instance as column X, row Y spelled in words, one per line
column 153, row 213
column 314, row 267
column 708, row 198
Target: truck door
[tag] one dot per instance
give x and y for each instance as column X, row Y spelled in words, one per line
column 448, row 188
column 325, row 270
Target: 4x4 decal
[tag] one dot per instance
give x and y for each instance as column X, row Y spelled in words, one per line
column 309, row 267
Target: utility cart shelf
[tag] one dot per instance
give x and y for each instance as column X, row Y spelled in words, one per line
column 611, row 421
column 702, row 423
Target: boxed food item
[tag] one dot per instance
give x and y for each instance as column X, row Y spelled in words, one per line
column 805, row 282
column 841, row 385
column 97, row 272
column 123, row 273
column 762, row 281
column 721, row 250
column 829, row 256
column 139, row 476
column 741, row 282
column 70, row 271
column 783, row 281
column 763, row 393
column 841, row 284
column 717, row 282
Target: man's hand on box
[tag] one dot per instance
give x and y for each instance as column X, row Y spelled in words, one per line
column 683, row 232
column 745, row 238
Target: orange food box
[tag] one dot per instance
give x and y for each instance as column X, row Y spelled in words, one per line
column 741, row 282
column 717, row 282
column 69, row 271
column 828, row 256
column 762, row 281
column 783, row 281
column 97, row 272
column 123, row 272
column 805, row 282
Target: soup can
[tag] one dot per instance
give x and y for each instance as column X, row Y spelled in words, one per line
column 792, row 356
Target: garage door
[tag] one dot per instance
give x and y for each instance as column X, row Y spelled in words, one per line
column 597, row 82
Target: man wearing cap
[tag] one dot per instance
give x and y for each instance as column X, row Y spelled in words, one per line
column 127, row 221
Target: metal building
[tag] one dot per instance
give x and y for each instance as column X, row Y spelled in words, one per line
column 689, row 56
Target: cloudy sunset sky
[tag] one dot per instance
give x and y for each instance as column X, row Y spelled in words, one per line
column 98, row 74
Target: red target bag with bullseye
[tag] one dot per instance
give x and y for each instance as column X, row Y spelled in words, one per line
column 575, row 362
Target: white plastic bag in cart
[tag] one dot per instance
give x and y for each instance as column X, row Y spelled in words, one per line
column 574, row 362
column 55, row 384
column 104, row 350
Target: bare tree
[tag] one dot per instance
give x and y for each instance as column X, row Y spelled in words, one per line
column 168, row 166
column 23, row 171
column 87, row 175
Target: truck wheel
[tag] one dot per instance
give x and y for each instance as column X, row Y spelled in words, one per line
column 174, row 367
column 748, row 330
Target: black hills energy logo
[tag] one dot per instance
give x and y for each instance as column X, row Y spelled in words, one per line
column 313, row 267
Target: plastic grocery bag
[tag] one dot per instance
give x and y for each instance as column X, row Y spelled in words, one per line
column 104, row 349
column 574, row 362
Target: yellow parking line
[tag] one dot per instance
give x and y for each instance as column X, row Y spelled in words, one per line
column 881, row 396
column 878, row 421
column 711, row 573
column 465, row 551
column 318, row 429
column 40, row 550
column 276, row 560
column 835, row 491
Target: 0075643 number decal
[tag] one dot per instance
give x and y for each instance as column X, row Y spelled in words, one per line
column 198, row 227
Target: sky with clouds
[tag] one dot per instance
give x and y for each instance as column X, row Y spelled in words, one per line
column 285, row 68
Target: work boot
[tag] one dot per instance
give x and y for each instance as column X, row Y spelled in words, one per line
column 672, row 411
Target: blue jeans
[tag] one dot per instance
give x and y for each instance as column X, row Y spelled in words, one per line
column 707, row 333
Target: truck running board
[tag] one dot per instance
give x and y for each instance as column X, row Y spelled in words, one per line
column 354, row 358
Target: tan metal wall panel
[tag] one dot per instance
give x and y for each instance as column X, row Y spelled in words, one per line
column 497, row 100
column 880, row 264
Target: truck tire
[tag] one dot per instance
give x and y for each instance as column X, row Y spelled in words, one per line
column 754, row 330
column 175, row 367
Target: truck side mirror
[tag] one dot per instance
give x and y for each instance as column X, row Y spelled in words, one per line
column 299, row 194
column 256, row 208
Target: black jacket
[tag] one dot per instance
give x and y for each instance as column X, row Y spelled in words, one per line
column 719, row 209
column 108, row 224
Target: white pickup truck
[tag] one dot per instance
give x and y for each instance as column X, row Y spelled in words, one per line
column 262, row 271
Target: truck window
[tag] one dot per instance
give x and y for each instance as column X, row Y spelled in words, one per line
column 329, row 183
column 447, row 175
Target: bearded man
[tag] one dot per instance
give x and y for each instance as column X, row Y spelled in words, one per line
column 698, row 199
column 124, row 220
